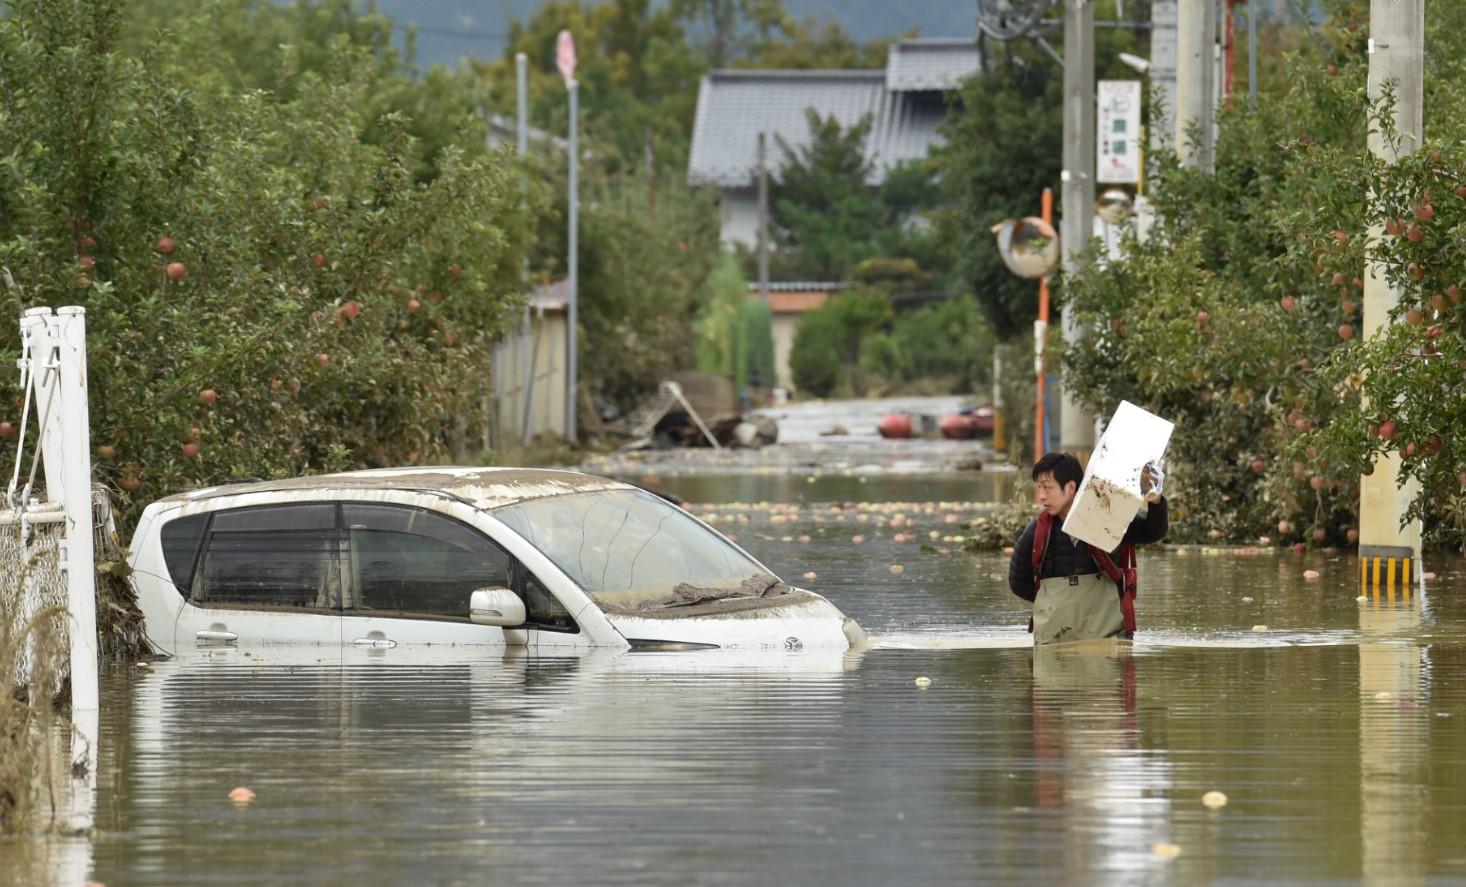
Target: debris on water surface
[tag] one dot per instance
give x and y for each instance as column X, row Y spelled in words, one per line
column 1427, row 575
column 1384, row 696
column 1361, row 599
column 811, row 575
column 803, row 538
column 1214, row 800
column 1165, row 850
column 1409, row 703
column 241, row 797
column 1247, row 600
column 897, row 569
column 1310, row 574
column 923, row 681
column 857, row 539
column 1259, row 628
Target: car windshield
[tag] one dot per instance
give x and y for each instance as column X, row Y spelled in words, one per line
column 631, row 550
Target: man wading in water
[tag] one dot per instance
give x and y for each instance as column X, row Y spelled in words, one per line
column 1078, row 592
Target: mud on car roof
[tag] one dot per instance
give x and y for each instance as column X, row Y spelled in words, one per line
column 483, row 487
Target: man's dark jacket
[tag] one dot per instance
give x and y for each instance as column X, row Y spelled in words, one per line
column 1065, row 557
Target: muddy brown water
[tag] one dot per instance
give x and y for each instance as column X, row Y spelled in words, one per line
column 1338, row 735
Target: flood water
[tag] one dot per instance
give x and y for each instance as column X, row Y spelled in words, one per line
column 1336, row 728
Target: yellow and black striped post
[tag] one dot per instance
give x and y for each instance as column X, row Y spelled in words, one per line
column 1386, row 571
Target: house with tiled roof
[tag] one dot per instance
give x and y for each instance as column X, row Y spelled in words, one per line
column 906, row 101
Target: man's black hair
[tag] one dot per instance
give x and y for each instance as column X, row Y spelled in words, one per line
column 1063, row 466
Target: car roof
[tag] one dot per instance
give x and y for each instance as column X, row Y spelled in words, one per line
column 483, row 487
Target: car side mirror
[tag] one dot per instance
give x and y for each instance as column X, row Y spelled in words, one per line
column 495, row 606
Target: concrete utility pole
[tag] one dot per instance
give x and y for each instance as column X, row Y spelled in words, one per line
column 1076, row 427
column 763, row 218
column 1196, row 86
column 572, row 393
column 1397, row 61
column 1163, row 72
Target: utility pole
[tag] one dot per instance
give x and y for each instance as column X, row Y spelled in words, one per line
column 573, row 312
column 1163, row 71
column 763, row 218
column 1196, row 32
column 1076, row 427
column 521, row 89
column 1396, row 61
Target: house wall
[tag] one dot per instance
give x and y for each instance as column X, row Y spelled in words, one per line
column 546, row 345
column 784, row 326
column 740, row 217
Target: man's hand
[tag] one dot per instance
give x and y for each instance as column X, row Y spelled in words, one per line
column 1152, row 479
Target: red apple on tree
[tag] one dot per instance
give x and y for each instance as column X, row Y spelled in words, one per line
column 1351, row 535
column 323, row 359
column 1341, row 236
column 165, row 245
column 1319, row 535
column 7, row 430
column 130, row 483
column 1414, row 234
column 177, row 270
column 1285, row 527
column 319, row 259
column 1258, row 466
column 208, row 395
column 350, row 310
column 107, row 451
column 413, row 304
column 190, row 450
column 1425, row 212
column 1346, row 331
column 87, row 263
column 1288, row 303
column 1387, row 429
column 1201, row 318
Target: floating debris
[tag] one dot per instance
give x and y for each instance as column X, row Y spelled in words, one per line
column 1214, row 800
column 923, row 682
column 803, row 538
column 1165, row 850
column 1427, row 575
column 1259, row 628
column 1247, row 600
column 1383, row 696
column 241, row 797
column 897, row 569
column 1362, row 599
column 811, row 575
column 1310, row 574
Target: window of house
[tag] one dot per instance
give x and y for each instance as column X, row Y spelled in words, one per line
column 271, row 556
column 409, row 561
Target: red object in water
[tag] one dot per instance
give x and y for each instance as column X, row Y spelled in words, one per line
column 896, row 425
column 970, row 423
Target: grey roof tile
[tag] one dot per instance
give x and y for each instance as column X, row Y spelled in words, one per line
column 734, row 105
column 928, row 64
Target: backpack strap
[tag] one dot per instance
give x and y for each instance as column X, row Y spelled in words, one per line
column 1042, row 529
column 1124, row 576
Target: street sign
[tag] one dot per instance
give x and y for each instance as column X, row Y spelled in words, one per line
column 565, row 57
column 1117, row 130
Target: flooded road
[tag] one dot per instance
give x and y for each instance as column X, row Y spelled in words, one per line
column 1335, row 728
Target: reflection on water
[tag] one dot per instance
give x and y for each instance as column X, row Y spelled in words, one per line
column 1334, row 727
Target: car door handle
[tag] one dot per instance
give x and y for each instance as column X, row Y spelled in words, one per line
column 210, row 634
column 380, row 643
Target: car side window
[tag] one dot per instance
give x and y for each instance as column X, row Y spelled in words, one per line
column 271, row 556
column 181, row 538
column 414, row 562
column 541, row 608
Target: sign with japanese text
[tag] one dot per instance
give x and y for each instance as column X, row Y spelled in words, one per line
column 1117, row 132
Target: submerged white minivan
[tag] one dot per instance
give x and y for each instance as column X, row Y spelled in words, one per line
column 489, row 557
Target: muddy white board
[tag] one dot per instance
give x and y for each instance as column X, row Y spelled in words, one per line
column 1109, row 497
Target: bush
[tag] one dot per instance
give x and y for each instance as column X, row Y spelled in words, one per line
column 259, row 280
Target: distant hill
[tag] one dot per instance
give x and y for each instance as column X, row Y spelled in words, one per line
column 448, row 30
